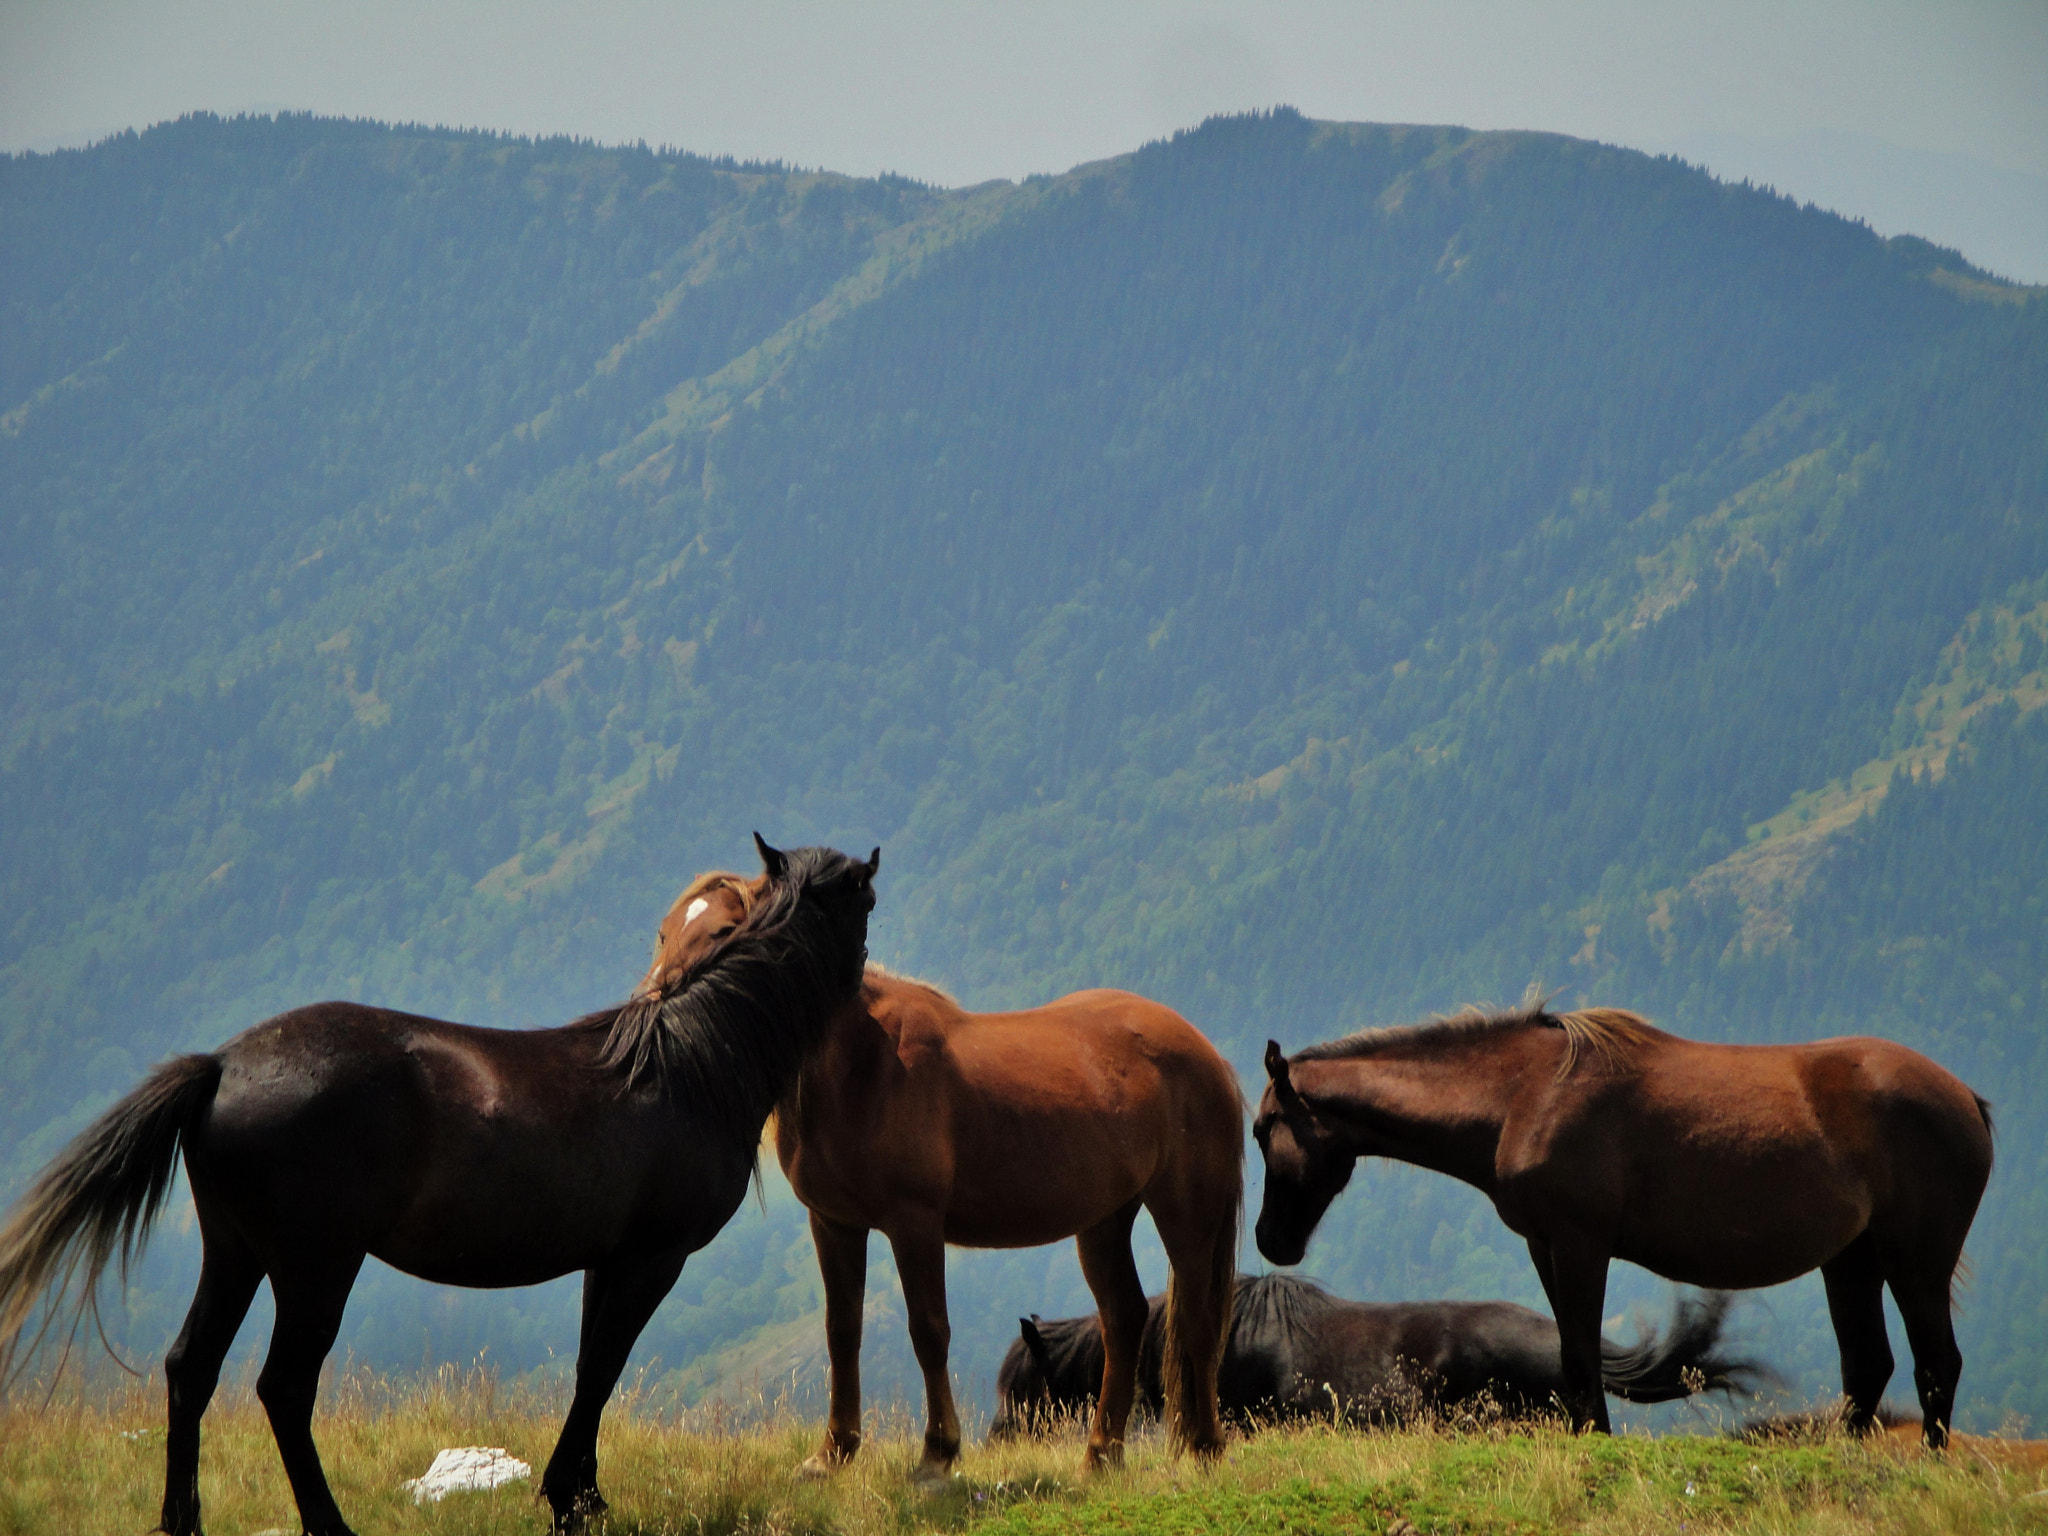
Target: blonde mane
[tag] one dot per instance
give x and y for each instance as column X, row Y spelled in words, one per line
column 749, row 891
column 877, row 970
column 1610, row 1033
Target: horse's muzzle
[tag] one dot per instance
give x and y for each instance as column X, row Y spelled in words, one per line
column 1277, row 1248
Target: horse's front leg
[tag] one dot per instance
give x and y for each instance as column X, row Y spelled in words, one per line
column 1112, row 1276
column 1573, row 1269
column 921, row 1265
column 618, row 1298
column 843, row 1264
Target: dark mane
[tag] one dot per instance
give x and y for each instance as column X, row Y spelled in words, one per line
column 1607, row 1031
column 1266, row 1307
column 725, row 1038
column 1073, row 1356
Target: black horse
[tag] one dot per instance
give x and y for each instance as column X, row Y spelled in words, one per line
column 1297, row 1352
column 617, row 1145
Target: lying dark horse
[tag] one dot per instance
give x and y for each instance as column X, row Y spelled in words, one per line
column 1600, row 1138
column 618, row 1145
column 1297, row 1352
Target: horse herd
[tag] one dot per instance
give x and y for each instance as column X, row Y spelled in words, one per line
column 622, row 1143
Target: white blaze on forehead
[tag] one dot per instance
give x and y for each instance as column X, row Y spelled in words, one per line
column 695, row 907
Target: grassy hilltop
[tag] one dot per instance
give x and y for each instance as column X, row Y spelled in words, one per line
column 86, row 1470
column 1312, row 573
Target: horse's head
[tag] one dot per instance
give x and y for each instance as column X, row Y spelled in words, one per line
column 1307, row 1163
column 839, row 887
column 711, row 906
column 714, row 904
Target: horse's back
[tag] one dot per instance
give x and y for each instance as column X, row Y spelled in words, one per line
column 1907, row 1115
column 1100, row 1050
column 1877, row 1103
column 310, row 1060
column 1851, row 1088
column 1900, row 1082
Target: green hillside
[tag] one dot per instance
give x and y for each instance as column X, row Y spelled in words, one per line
column 1311, row 573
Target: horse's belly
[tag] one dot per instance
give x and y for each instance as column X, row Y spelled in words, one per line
column 483, row 1269
column 1744, row 1249
column 522, row 1244
column 983, row 1223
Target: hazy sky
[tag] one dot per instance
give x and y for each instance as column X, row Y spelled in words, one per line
column 957, row 91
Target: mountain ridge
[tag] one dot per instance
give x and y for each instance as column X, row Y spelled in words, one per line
column 1314, row 573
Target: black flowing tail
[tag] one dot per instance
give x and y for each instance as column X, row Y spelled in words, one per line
column 97, row 1200
column 1661, row 1368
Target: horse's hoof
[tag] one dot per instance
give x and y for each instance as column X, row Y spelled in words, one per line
column 933, row 1476
column 585, row 1512
column 815, row 1469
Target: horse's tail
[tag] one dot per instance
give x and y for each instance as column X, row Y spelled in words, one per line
column 97, row 1199
column 1198, row 1307
column 1684, row 1360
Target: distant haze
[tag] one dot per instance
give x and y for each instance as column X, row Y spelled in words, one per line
column 1996, row 217
column 1924, row 118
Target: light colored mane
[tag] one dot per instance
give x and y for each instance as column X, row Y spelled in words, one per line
column 879, row 971
column 1610, row 1033
column 748, row 891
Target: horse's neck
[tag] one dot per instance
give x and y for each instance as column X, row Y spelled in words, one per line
column 866, row 1028
column 1439, row 1105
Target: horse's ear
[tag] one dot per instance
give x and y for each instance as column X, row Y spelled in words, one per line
column 1034, row 1341
column 874, row 863
column 774, row 860
column 1276, row 1062
column 1276, row 1069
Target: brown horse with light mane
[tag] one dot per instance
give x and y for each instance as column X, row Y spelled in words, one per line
column 1598, row 1137
column 933, row 1125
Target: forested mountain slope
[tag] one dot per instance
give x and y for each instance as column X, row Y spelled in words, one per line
column 1311, row 573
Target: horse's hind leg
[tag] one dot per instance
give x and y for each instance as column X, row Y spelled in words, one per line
column 1201, row 1244
column 617, row 1301
column 1937, row 1364
column 1112, row 1276
column 309, row 1308
column 228, row 1277
column 1855, row 1282
column 921, row 1265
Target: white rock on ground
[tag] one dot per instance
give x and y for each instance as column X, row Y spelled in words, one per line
column 466, row 1469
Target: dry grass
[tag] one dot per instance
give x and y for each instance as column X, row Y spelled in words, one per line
column 92, row 1461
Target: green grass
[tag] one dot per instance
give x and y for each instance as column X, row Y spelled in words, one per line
column 93, row 1463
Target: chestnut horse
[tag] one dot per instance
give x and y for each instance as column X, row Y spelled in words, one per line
column 1598, row 1137
column 617, row 1145
column 933, row 1125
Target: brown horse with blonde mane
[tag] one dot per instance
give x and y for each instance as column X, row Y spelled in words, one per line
column 933, row 1125
column 1598, row 1137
